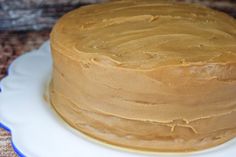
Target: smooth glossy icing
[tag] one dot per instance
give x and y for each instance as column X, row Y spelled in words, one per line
column 150, row 75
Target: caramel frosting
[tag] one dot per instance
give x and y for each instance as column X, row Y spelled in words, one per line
column 149, row 75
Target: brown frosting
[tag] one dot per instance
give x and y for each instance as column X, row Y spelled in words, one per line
column 150, row 75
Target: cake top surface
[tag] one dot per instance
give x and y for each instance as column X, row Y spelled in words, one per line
column 146, row 34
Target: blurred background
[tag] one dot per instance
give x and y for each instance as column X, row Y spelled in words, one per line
column 26, row 24
column 42, row 14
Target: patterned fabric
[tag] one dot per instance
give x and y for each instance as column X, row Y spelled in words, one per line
column 13, row 44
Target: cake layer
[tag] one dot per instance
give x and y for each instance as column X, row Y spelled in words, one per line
column 142, row 135
column 151, row 75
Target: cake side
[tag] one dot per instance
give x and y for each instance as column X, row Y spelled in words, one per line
column 154, row 115
column 180, row 101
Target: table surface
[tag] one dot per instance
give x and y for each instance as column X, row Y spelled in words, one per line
column 13, row 44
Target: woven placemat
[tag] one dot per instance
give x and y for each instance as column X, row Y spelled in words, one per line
column 13, row 44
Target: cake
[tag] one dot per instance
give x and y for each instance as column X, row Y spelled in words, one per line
column 147, row 75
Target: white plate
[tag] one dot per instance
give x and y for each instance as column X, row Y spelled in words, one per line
column 36, row 129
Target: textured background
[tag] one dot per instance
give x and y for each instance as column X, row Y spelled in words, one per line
column 40, row 14
column 26, row 24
